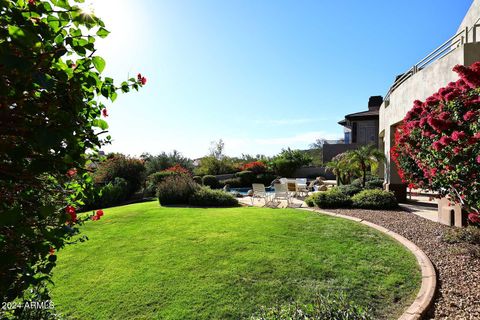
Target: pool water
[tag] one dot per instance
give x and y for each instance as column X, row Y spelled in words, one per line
column 244, row 191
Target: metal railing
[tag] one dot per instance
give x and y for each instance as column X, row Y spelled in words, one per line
column 448, row 46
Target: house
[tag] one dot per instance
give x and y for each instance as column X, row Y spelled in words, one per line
column 360, row 128
column 421, row 81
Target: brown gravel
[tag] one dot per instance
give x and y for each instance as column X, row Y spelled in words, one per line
column 458, row 273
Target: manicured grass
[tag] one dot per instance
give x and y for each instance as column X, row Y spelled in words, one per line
column 147, row 262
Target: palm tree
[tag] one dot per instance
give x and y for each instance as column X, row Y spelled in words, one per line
column 365, row 157
column 342, row 168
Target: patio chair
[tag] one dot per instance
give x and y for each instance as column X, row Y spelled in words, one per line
column 301, row 186
column 260, row 193
column 281, row 192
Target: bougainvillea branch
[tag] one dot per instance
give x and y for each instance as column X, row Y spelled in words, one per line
column 437, row 146
column 51, row 93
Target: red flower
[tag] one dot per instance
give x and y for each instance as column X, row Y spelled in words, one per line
column 51, row 251
column 72, row 212
column 468, row 75
column 469, row 115
column 95, row 218
column 105, row 112
column 139, row 77
column 178, row 169
column 71, row 172
column 445, row 140
column 437, row 145
column 473, row 216
column 31, row 2
column 458, row 135
column 99, row 213
column 143, row 81
column 478, row 159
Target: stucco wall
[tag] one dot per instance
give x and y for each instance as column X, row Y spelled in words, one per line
column 471, row 18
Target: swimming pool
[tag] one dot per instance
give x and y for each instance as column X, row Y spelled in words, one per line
column 244, row 191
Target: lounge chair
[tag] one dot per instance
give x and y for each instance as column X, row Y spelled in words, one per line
column 301, row 186
column 260, row 192
column 281, row 192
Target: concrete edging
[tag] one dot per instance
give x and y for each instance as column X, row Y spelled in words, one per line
column 426, row 293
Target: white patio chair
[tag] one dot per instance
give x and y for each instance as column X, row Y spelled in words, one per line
column 301, row 186
column 260, row 193
column 281, row 192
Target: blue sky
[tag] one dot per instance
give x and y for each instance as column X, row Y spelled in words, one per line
column 261, row 75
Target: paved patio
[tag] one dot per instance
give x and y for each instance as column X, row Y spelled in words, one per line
column 419, row 205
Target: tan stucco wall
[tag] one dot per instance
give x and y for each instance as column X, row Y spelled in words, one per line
column 471, row 18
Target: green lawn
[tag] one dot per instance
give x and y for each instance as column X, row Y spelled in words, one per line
column 147, row 262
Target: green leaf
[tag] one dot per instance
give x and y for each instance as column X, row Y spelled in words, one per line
column 103, row 33
column 100, row 123
column 113, row 96
column 59, row 38
column 99, row 63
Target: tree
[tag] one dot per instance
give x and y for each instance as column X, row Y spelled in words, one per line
column 51, row 127
column 288, row 160
column 216, row 162
column 437, row 145
column 118, row 165
column 343, row 168
column 365, row 157
column 163, row 161
column 216, row 149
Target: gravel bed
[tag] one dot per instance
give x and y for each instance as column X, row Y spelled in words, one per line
column 458, row 273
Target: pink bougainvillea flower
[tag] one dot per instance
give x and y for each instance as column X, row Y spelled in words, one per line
column 474, row 217
column 72, row 212
column 71, row 172
column 99, row 213
column 445, row 140
column 471, row 78
column 458, row 135
column 437, row 145
column 469, row 115
column 478, row 159
column 105, row 112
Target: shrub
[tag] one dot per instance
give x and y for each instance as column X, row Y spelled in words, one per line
column 176, row 189
column 350, row 189
column 121, row 166
column 332, row 198
column 233, row 182
column 113, row 193
column 197, row 179
column 177, row 169
column 254, row 166
column 470, row 234
column 330, row 306
column 53, row 99
column 375, row 199
column 310, row 200
column 437, row 145
column 247, row 177
column 376, row 183
column 154, row 179
column 210, row 181
column 206, row 197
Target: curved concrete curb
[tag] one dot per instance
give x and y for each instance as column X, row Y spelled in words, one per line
column 429, row 277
